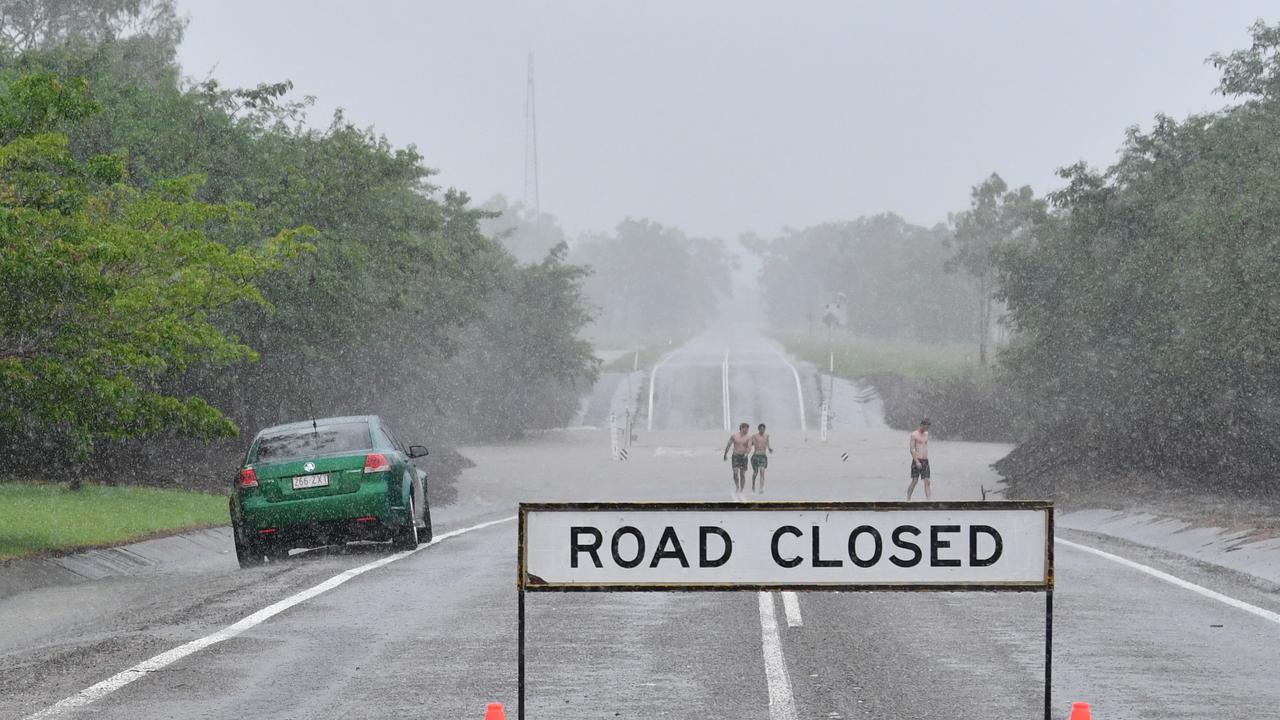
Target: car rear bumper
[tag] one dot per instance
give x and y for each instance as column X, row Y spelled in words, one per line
column 331, row 532
column 366, row 512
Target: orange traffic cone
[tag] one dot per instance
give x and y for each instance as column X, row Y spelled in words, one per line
column 494, row 712
column 1080, row 711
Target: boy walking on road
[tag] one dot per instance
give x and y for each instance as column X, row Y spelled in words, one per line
column 919, row 446
column 741, row 444
column 760, row 448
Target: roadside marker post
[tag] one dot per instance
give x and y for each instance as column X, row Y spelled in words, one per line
column 613, row 437
column 826, row 419
column 785, row 546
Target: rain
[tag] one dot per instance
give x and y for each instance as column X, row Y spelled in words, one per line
column 307, row 310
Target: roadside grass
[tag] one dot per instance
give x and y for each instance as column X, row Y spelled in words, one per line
column 857, row 357
column 37, row 518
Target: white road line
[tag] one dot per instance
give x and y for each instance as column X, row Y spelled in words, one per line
column 653, row 374
column 782, row 704
column 724, row 387
column 791, row 605
column 120, row 679
column 1173, row 580
column 799, row 391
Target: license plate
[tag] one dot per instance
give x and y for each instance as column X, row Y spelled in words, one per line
column 310, row 481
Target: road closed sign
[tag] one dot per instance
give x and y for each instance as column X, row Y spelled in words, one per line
column 722, row 546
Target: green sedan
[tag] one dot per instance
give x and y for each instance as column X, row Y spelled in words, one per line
column 327, row 481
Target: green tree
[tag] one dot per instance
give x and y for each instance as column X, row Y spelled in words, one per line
column 106, row 291
column 997, row 216
column 648, row 276
column 1145, row 308
column 1253, row 72
column 527, row 234
column 530, row 331
column 30, row 24
column 381, row 316
column 889, row 271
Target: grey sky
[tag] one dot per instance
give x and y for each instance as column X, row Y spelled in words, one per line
column 722, row 117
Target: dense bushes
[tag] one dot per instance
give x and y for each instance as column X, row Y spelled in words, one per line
column 1142, row 301
column 1145, row 306
column 288, row 272
column 972, row 406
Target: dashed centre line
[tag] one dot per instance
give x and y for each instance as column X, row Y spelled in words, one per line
column 791, row 605
column 782, row 702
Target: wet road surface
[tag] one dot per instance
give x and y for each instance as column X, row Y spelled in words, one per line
column 432, row 634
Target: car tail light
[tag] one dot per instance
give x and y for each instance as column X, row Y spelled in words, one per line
column 376, row 462
column 248, row 478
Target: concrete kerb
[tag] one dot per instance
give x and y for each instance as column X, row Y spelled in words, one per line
column 1228, row 549
column 145, row 557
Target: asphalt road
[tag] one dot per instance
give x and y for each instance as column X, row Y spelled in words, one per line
column 763, row 386
column 432, row 634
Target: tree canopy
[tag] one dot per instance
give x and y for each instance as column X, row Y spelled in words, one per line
column 106, row 290
column 997, row 217
column 889, row 272
column 647, row 276
column 1145, row 306
column 182, row 260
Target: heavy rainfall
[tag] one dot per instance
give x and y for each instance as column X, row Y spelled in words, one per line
column 301, row 301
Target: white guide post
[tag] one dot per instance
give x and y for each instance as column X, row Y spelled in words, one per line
column 614, row 449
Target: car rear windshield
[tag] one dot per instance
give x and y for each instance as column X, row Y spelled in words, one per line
column 325, row 440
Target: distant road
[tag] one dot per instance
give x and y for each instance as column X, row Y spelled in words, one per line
column 691, row 389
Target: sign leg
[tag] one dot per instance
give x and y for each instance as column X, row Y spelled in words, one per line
column 1048, row 655
column 520, row 658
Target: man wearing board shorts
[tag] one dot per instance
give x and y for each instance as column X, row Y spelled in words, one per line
column 760, row 448
column 919, row 446
column 740, row 442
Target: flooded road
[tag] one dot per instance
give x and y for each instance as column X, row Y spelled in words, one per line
column 432, row 633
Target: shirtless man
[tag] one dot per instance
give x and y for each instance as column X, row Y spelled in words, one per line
column 759, row 458
column 741, row 444
column 919, row 446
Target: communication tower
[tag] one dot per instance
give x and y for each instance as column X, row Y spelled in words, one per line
column 531, row 194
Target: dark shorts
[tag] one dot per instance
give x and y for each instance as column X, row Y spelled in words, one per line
column 920, row 472
column 739, row 461
column 759, row 461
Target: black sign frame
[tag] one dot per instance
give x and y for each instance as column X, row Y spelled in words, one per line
column 526, row 583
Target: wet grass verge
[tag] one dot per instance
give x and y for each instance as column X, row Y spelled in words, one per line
column 1075, row 481
column 47, row 519
column 916, row 380
column 857, row 357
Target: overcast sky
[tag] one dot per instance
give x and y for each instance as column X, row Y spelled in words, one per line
column 744, row 115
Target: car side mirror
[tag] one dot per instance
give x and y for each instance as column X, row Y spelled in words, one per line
column 417, row 451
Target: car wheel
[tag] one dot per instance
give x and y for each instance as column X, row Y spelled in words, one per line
column 406, row 538
column 248, row 553
column 425, row 534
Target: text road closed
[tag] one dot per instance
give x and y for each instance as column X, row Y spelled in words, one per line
column 765, row 546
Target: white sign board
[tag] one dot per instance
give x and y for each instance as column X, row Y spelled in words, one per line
column 888, row 546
